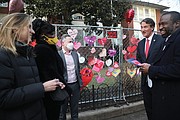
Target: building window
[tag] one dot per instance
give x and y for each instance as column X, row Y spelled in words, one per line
column 146, row 12
column 135, row 15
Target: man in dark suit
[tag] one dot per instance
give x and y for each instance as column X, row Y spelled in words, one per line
column 71, row 75
column 165, row 71
column 147, row 51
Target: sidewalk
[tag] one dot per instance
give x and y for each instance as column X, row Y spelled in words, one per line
column 111, row 112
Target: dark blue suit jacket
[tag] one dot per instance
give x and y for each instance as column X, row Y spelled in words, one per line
column 154, row 49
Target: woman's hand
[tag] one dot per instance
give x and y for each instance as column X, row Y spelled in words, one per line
column 51, row 85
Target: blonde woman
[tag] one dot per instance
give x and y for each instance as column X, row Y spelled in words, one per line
column 21, row 91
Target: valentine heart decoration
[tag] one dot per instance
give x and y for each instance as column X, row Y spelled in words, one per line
column 110, row 69
column 116, row 72
column 100, row 79
column 98, row 66
column 103, row 53
column 72, row 32
column 116, row 65
column 108, row 74
column 92, row 60
column 124, row 52
column 108, row 62
column 93, row 50
column 86, row 75
column 132, row 72
column 58, row 43
column 77, row 45
column 90, row 40
column 124, row 37
column 131, row 49
column 81, row 59
column 102, row 41
column 134, row 41
column 129, row 15
column 111, row 52
column 32, row 43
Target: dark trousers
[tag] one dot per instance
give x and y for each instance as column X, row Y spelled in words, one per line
column 73, row 100
column 147, row 96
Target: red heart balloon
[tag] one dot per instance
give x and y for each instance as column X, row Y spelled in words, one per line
column 131, row 49
column 102, row 41
column 129, row 15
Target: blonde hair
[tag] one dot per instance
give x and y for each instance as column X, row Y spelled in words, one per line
column 8, row 25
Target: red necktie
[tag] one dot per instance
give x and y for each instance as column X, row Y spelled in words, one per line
column 147, row 47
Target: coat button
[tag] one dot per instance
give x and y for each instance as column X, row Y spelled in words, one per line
column 162, row 83
column 163, row 97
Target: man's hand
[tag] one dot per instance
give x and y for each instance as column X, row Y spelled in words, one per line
column 144, row 67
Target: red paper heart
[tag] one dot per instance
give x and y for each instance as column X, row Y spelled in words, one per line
column 92, row 60
column 102, row 41
column 108, row 74
column 116, row 65
column 131, row 49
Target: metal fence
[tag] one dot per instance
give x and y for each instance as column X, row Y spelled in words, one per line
column 122, row 85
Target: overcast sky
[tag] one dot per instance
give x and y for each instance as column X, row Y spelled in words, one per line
column 173, row 4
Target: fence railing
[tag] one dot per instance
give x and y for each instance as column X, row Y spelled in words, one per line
column 121, row 88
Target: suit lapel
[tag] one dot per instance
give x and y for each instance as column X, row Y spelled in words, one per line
column 63, row 58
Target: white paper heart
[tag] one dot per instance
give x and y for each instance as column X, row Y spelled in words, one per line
column 108, row 62
column 81, row 60
column 73, row 33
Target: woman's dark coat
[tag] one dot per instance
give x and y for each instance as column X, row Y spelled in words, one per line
column 21, row 91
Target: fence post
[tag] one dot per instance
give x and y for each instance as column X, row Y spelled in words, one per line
column 93, row 95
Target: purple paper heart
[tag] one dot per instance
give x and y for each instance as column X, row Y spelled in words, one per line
column 111, row 52
column 90, row 39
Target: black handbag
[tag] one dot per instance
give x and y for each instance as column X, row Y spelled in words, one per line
column 59, row 94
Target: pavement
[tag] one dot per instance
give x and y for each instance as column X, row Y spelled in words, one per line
column 133, row 111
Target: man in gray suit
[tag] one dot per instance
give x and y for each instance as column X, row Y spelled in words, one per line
column 71, row 76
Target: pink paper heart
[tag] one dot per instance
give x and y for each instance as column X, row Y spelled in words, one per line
column 77, row 45
column 100, row 79
column 73, row 33
column 93, row 50
column 90, row 39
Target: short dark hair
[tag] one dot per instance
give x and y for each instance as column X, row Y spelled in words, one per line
column 148, row 21
column 64, row 36
column 175, row 16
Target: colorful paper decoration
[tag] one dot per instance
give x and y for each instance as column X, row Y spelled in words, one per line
column 81, row 59
column 108, row 62
column 108, row 74
column 98, row 66
column 93, row 50
column 102, row 41
column 100, row 79
column 72, row 32
column 131, row 49
column 134, row 40
column 77, row 45
column 103, row 53
column 116, row 72
column 111, row 52
column 86, row 75
column 90, row 40
column 132, row 72
column 92, row 60
column 116, row 65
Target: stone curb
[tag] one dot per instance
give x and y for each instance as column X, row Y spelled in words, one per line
column 111, row 112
